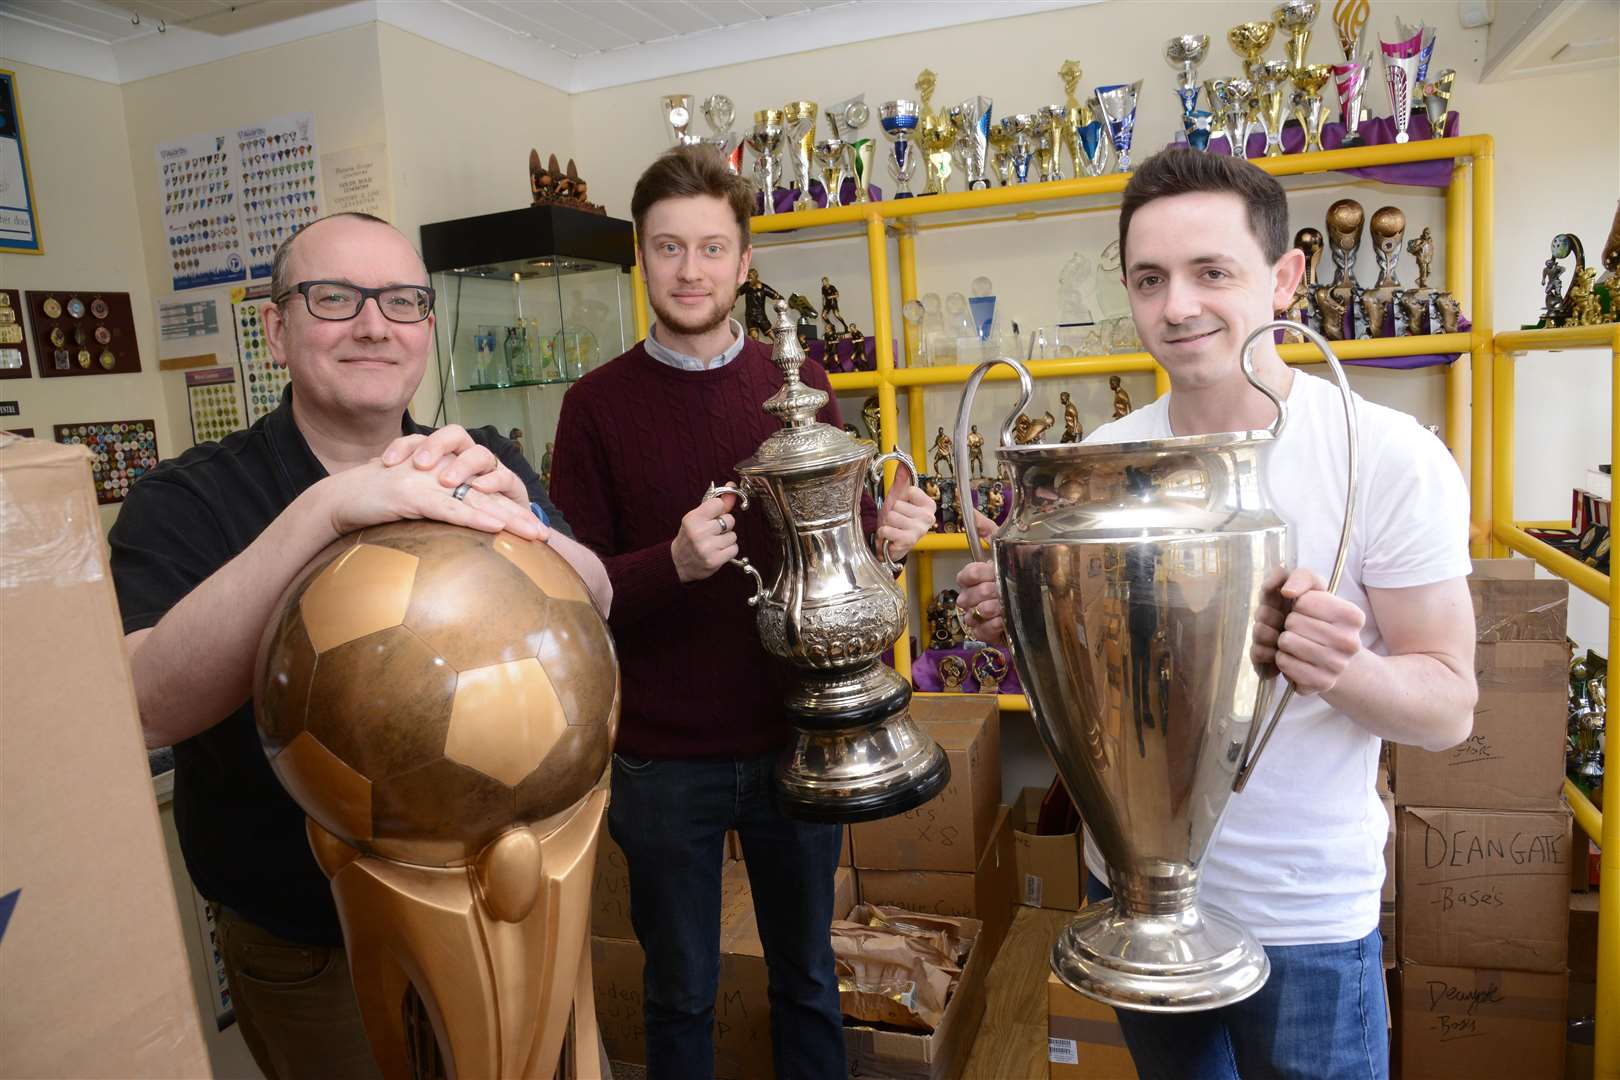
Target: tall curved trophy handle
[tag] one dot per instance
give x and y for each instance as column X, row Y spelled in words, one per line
column 760, row 591
column 1248, row 760
column 876, row 470
column 964, row 418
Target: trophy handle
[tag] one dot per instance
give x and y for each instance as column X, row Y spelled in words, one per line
column 964, row 417
column 876, row 470
column 760, row 591
column 1248, row 760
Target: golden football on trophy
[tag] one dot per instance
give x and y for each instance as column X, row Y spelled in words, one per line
column 424, row 687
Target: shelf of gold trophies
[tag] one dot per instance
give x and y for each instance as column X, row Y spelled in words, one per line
column 1508, row 534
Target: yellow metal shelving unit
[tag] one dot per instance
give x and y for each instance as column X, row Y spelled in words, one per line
column 1508, row 534
column 1468, row 243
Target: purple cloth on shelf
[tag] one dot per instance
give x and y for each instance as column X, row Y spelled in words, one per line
column 1375, row 132
column 1401, row 363
column 925, row 672
column 785, row 198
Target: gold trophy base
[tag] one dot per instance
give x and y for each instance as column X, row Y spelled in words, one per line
column 481, row 970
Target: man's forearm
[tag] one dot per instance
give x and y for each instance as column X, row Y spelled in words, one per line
column 195, row 667
column 1414, row 698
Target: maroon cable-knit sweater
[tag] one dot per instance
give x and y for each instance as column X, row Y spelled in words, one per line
column 638, row 443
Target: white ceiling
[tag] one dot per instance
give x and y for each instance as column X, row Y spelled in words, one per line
column 573, row 45
column 574, row 28
column 579, row 28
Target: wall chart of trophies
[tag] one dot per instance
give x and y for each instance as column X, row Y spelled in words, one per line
column 1279, row 99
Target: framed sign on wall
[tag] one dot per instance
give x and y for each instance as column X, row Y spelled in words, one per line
column 19, row 220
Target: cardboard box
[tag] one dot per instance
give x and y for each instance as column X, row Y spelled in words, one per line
column 616, row 972
column 742, row 1032
column 1051, row 870
column 949, row 831
column 1583, row 936
column 610, row 888
column 847, row 856
column 898, row 1055
column 1389, row 851
column 1484, row 888
column 742, row 1016
column 987, row 894
column 610, row 891
column 1387, row 917
column 1514, row 758
column 93, row 966
column 1481, row 1023
column 1083, row 1040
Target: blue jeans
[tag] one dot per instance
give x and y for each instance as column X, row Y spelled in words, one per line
column 670, row 817
column 1320, row 1016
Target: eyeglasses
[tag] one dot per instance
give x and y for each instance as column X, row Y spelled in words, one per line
column 338, row 301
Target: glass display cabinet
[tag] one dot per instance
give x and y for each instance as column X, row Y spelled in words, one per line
column 527, row 301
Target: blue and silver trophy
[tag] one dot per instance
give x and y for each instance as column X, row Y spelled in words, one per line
column 899, row 120
column 1117, row 104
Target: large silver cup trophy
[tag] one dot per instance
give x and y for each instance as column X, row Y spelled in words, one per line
column 832, row 610
column 1134, row 576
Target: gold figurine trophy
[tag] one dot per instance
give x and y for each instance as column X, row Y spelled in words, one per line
column 442, row 703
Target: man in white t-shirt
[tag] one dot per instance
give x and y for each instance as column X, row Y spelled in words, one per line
column 1299, row 858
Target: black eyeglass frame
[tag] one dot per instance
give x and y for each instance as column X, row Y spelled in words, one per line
column 303, row 288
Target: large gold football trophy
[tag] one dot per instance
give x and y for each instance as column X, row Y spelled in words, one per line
column 442, row 703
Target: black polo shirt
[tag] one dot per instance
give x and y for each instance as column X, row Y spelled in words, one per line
column 242, row 835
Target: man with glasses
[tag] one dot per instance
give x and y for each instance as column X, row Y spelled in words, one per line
column 203, row 549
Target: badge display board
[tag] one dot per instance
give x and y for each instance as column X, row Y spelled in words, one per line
column 216, row 407
column 80, row 332
column 262, row 377
column 122, row 451
column 13, row 342
column 278, row 184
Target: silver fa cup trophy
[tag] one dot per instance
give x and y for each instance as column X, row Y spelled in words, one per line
column 1134, row 577
column 831, row 611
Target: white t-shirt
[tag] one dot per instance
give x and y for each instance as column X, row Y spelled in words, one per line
column 1299, row 859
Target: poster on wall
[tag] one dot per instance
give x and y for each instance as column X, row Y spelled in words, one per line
column 215, row 406
column 262, row 376
column 199, row 186
column 19, row 221
column 278, row 184
column 356, row 181
column 194, row 330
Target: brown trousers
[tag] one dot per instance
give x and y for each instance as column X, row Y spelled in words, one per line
column 294, row 1003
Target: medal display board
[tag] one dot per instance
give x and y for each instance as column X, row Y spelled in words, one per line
column 80, row 332
column 13, row 342
column 122, row 451
column 262, row 376
column 216, row 408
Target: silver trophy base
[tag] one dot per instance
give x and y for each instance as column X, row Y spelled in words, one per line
column 863, row 773
column 1183, row 961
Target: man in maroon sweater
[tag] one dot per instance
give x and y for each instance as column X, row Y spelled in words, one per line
column 638, row 443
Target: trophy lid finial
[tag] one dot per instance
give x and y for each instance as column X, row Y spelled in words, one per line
column 795, row 404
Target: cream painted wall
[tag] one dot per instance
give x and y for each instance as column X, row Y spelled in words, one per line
column 79, row 157
column 335, row 76
column 459, row 133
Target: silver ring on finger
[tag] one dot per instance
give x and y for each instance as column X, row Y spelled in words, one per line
column 460, row 494
column 724, row 528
